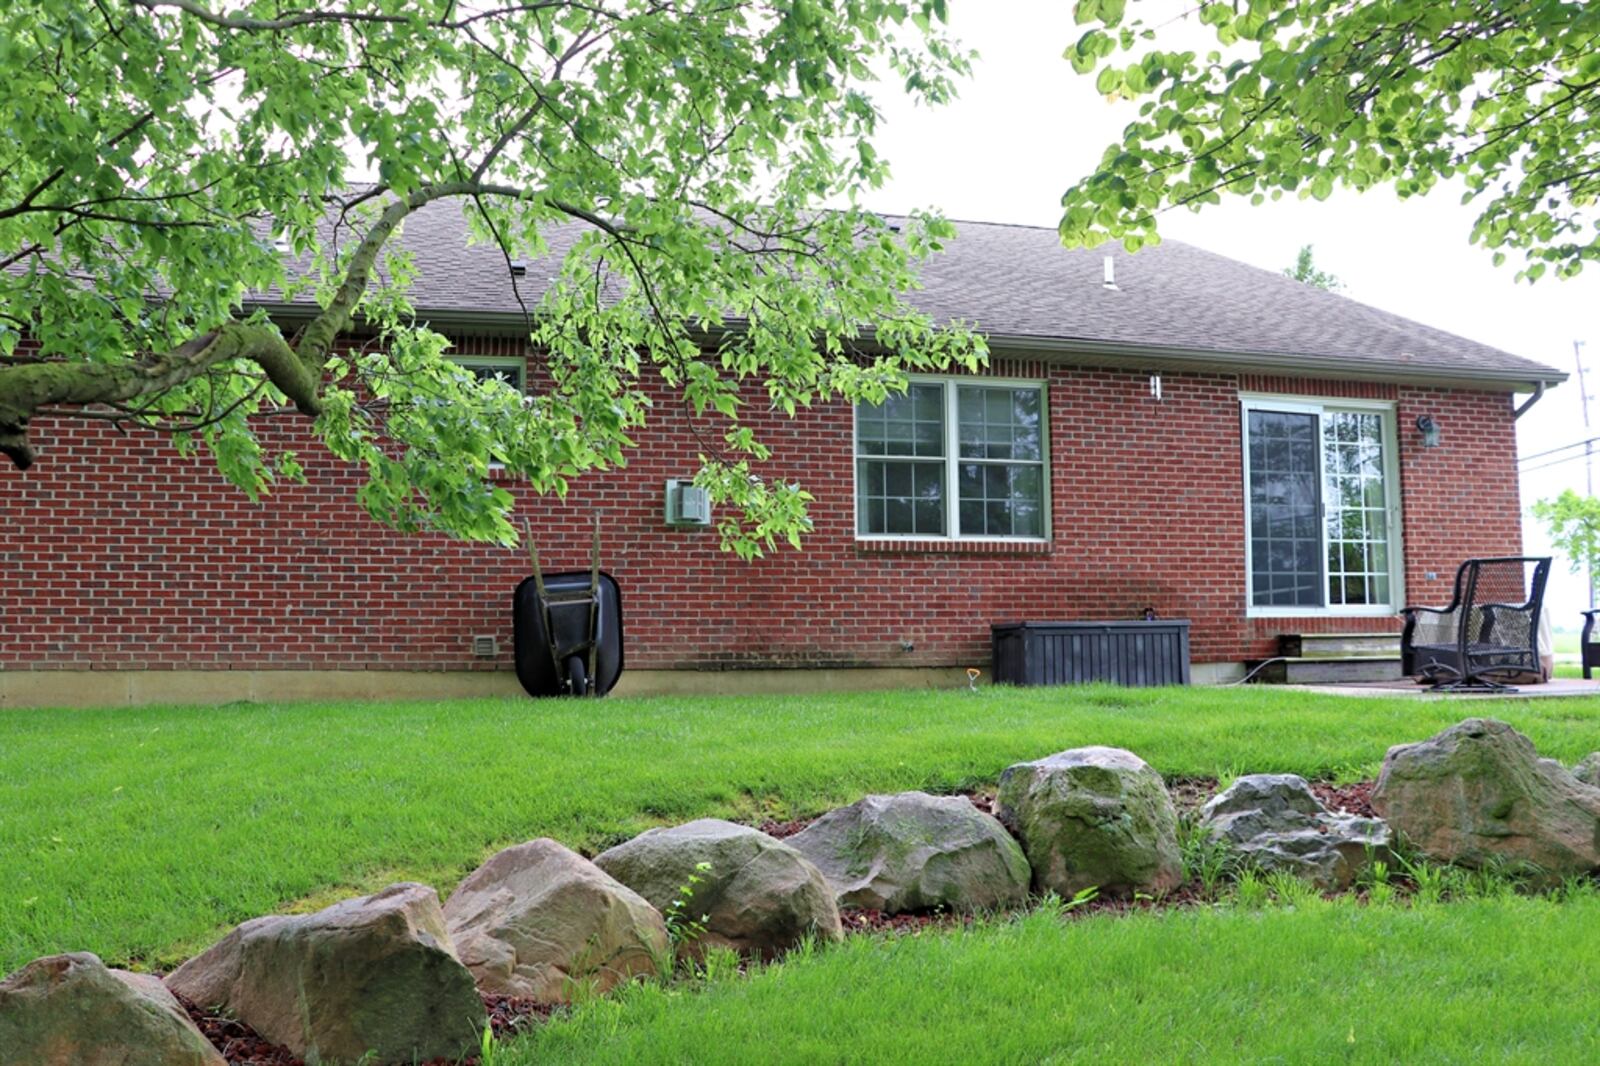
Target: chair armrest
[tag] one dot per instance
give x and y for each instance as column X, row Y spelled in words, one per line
column 1430, row 631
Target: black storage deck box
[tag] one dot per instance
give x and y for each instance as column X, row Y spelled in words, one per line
column 1068, row 653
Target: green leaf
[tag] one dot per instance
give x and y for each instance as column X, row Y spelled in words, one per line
column 686, row 123
column 1306, row 96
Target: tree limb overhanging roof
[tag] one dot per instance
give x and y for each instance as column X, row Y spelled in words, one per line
column 1175, row 306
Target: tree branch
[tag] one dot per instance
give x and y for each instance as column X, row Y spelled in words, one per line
column 24, row 389
column 296, row 370
column 308, row 18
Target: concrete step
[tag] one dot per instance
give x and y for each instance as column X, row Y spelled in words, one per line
column 1339, row 645
column 1325, row 670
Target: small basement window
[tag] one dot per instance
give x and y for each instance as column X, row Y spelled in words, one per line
column 511, row 369
column 950, row 459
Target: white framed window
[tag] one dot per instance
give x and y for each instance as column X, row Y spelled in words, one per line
column 954, row 459
column 1322, row 507
column 511, row 369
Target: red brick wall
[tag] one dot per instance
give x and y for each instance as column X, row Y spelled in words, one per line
column 123, row 554
column 1461, row 498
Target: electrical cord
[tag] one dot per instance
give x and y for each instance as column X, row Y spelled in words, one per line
column 1258, row 668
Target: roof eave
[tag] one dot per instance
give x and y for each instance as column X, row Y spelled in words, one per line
column 1165, row 357
column 1102, row 353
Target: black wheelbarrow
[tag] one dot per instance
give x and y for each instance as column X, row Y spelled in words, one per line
column 567, row 630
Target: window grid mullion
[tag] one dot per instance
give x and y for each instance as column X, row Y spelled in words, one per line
column 952, row 448
column 1322, row 509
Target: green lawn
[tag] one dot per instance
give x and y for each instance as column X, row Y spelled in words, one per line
column 139, row 834
column 1502, row 981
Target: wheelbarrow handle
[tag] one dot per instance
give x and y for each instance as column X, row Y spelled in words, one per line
column 544, row 599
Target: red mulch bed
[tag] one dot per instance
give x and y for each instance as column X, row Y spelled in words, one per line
column 236, row 1041
column 1352, row 799
column 785, row 829
column 1185, row 895
column 867, row 920
column 508, row 1014
column 984, row 801
column 243, row 1046
column 1189, row 794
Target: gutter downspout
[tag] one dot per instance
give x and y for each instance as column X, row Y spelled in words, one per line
column 1522, row 409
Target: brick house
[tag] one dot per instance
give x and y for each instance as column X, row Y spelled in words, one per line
column 1172, row 430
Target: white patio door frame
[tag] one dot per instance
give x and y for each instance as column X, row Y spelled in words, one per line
column 1249, row 402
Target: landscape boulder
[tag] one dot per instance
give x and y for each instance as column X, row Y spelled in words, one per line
column 538, row 917
column 1478, row 793
column 916, row 852
column 1588, row 769
column 1093, row 817
column 375, row 976
column 759, row 896
column 71, row 1010
column 1276, row 822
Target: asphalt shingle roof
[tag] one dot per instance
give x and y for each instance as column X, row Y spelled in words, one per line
column 1022, row 289
column 1019, row 281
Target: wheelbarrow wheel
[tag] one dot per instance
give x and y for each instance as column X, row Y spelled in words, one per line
column 577, row 676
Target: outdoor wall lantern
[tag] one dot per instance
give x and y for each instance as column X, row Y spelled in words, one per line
column 1430, row 431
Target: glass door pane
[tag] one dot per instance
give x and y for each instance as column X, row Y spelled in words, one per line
column 1357, row 517
column 1286, row 564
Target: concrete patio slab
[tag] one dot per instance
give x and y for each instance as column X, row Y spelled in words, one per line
column 1556, row 687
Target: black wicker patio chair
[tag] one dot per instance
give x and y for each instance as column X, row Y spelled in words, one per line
column 1591, row 651
column 1490, row 632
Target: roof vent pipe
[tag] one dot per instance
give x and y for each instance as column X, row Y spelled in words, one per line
column 1110, row 281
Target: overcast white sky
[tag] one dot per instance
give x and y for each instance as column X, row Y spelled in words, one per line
column 1026, row 127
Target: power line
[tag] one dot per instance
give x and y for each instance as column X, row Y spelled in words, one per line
column 1554, row 462
column 1563, row 448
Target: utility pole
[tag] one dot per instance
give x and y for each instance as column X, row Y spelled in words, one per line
column 1588, row 445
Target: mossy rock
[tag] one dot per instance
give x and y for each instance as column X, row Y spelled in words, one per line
column 71, row 1010
column 374, row 979
column 1477, row 794
column 916, row 852
column 1588, row 769
column 1093, row 818
column 756, row 895
column 540, row 921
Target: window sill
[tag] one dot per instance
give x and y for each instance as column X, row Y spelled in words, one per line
column 1321, row 612
column 911, row 546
